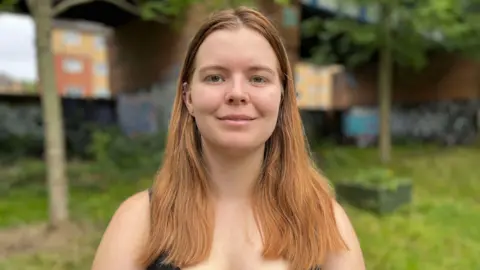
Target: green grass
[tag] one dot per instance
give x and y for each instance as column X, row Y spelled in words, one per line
column 95, row 194
column 438, row 231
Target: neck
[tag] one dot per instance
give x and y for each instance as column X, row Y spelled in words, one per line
column 233, row 176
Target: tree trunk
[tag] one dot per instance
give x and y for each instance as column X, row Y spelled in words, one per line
column 52, row 116
column 385, row 87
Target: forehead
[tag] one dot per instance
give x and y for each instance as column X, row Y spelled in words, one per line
column 241, row 47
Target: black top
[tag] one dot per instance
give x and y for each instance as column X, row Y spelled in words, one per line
column 158, row 263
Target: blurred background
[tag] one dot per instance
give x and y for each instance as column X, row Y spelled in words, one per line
column 388, row 92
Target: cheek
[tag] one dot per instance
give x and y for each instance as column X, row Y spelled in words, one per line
column 204, row 101
column 268, row 105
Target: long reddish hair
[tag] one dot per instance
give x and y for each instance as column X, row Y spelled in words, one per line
column 292, row 201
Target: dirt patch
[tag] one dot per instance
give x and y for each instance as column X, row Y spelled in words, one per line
column 30, row 239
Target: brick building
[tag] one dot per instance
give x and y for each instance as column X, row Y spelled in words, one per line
column 81, row 59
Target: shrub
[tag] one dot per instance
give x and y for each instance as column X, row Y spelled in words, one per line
column 111, row 148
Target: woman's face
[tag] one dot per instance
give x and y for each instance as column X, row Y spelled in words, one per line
column 235, row 91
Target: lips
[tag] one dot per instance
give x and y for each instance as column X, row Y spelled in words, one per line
column 236, row 117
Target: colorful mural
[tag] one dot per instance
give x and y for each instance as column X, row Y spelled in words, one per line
column 448, row 122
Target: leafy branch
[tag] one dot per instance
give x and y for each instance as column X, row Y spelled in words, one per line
column 7, row 5
column 418, row 27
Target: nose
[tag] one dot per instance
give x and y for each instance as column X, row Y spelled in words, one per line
column 237, row 94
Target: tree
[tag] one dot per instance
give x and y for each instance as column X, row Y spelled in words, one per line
column 43, row 14
column 41, row 11
column 402, row 33
column 165, row 11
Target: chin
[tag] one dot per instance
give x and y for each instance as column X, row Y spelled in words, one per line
column 238, row 146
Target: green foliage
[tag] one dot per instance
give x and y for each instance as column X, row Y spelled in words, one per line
column 30, row 175
column 283, row 2
column 112, row 149
column 368, row 176
column 378, row 177
column 437, row 232
column 7, row 5
column 363, row 40
column 30, row 87
column 444, row 201
column 13, row 148
column 117, row 159
column 173, row 11
column 152, row 9
column 22, row 174
column 429, row 25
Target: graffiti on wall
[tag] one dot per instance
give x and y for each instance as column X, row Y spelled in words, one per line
column 21, row 121
column 163, row 94
column 450, row 122
column 148, row 110
column 136, row 114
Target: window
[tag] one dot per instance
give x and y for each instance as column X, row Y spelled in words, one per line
column 71, row 65
column 101, row 69
column 99, row 43
column 74, row 91
column 71, row 38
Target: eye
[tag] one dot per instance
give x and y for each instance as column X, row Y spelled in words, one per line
column 214, row 79
column 258, row 80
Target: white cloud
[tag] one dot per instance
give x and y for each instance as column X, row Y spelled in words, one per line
column 17, row 47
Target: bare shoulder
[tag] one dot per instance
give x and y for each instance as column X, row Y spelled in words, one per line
column 353, row 258
column 343, row 222
column 125, row 235
column 133, row 208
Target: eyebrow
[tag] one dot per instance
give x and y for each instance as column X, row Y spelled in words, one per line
column 214, row 67
column 252, row 68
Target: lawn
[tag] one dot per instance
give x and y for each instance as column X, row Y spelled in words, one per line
column 438, row 231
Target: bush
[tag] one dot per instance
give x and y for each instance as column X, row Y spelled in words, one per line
column 14, row 148
column 379, row 177
column 110, row 148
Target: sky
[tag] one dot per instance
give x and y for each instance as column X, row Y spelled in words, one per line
column 17, row 47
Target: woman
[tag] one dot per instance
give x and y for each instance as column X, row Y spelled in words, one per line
column 237, row 189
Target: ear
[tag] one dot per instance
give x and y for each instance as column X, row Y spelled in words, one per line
column 187, row 97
